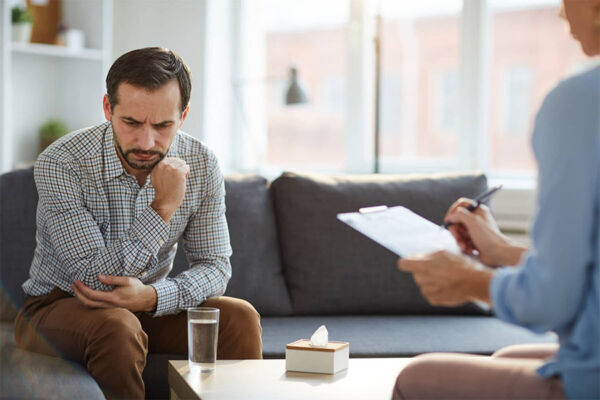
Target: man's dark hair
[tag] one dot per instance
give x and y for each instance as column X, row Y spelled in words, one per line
column 149, row 68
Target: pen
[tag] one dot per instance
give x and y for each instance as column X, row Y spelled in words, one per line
column 482, row 198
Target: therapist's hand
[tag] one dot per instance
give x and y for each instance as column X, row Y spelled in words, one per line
column 477, row 234
column 447, row 279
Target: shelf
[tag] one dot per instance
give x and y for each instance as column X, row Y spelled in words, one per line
column 67, row 83
column 56, row 51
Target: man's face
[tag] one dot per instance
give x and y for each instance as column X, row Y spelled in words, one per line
column 144, row 123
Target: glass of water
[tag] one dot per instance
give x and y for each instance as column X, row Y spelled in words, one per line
column 203, row 331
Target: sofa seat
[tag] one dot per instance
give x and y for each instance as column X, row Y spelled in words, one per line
column 36, row 376
column 400, row 335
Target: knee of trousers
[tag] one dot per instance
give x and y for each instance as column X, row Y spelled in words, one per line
column 414, row 375
column 121, row 332
column 241, row 315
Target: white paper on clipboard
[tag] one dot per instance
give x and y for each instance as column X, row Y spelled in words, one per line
column 401, row 231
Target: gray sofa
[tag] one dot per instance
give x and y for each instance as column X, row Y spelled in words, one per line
column 293, row 261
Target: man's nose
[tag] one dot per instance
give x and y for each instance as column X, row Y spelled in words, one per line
column 146, row 138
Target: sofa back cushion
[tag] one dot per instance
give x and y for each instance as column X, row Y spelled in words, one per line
column 257, row 274
column 18, row 203
column 332, row 269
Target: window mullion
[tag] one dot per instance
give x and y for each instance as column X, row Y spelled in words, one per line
column 474, row 94
column 359, row 106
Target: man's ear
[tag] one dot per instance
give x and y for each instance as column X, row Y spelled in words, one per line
column 184, row 115
column 106, row 108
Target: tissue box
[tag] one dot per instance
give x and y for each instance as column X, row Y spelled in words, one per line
column 300, row 356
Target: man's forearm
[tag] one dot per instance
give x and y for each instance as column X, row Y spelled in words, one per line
column 150, row 299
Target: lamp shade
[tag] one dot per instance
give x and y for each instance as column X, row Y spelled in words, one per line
column 295, row 94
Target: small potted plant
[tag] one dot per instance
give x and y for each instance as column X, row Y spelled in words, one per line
column 50, row 131
column 22, row 22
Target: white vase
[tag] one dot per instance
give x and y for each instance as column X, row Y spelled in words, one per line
column 21, row 32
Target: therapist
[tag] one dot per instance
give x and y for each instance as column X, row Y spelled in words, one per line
column 554, row 286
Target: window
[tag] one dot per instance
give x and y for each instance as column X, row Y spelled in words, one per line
column 530, row 52
column 311, row 134
column 516, row 105
column 391, row 103
column 420, row 44
column 461, row 82
column 446, row 102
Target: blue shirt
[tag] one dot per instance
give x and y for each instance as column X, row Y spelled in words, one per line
column 557, row 285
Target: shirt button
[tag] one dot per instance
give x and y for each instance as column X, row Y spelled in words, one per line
column 143, row 274
column 161, row 242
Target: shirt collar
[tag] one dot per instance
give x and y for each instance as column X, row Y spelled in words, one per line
column 112, row 164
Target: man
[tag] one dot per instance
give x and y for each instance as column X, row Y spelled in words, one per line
column 114, row 199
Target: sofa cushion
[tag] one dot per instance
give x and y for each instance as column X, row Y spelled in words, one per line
column 256, row 264
column 27, row 375
column 400, row 335
column 332, row 269
column 18, row 202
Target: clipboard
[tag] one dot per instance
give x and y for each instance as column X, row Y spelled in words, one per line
column 400, row 230
column 403, row 232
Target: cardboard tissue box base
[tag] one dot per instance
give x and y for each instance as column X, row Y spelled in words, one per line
column 301, row 356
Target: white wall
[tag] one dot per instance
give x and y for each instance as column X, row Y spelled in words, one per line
column 176, row 24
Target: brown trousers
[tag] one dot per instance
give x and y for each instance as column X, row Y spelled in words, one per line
column 510, row 373
column 113, row 342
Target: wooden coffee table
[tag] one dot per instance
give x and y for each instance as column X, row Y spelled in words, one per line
column 365, row 378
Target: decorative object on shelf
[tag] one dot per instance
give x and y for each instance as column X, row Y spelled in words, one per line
column 50, row 131
column 22, row 23
column 47, row 15
column 73, row 39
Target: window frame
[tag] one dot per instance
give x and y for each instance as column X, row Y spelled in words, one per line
column 516, row 203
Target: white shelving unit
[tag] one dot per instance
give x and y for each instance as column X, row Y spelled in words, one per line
column 41, row 81
column 57, row 51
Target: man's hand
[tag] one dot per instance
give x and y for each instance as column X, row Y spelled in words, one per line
column 447, row 279
column 129, row 293
column 477, row 233
column 168, row 178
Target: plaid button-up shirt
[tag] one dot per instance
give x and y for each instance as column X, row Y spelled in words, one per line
column 94, row 218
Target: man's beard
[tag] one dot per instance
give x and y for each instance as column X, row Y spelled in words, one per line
column 138, row 164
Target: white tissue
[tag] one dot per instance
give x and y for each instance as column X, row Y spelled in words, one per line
column 320, row 338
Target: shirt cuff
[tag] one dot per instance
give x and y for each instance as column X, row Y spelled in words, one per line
column 498, row 288
column 150, row 229
column 167, row 294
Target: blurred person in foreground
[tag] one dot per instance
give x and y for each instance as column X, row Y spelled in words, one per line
column 555, row 285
